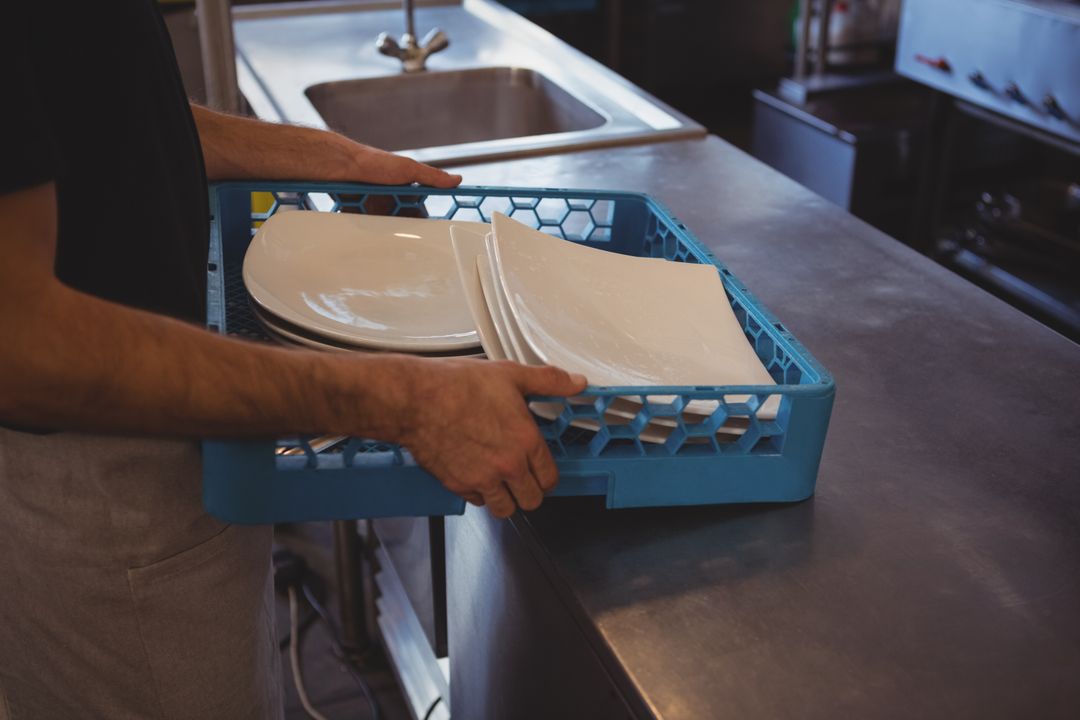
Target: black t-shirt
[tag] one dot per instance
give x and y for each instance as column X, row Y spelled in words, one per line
column 92, row 100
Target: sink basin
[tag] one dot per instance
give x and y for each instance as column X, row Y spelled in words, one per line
column 436, row 109
column 503, row 89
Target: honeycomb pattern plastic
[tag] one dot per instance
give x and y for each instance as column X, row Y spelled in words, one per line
column 619, row 222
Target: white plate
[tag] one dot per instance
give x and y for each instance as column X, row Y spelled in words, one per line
column 513, row 341
column 294, row 337
column 515, row 348
column 623, row 320
column 498, row 316
column 491, row 307
column 377, row 282
column 480, row 285
column 468, row 245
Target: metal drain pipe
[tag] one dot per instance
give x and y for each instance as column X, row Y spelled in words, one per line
column 218, row 54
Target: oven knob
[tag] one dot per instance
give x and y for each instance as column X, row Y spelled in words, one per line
column 1052, row 106
column 938, row 63
column 979, row 80
column 1013, row 92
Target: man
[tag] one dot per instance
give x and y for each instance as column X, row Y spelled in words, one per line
column 119, row 596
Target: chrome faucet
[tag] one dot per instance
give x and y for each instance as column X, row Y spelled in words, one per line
column 413, row 55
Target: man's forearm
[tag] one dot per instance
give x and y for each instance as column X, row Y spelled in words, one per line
column 87, row 363
column 238, row 148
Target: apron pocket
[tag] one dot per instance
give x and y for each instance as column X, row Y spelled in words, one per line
column 206, row 630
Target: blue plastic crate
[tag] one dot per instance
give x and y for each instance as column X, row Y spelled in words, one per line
column 773, row 461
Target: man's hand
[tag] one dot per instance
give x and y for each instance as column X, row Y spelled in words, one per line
column 385, row 168
column 236, row 148
column 468, row 424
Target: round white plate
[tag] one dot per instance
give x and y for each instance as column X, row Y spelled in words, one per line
column 389, row 283
column 293, row 336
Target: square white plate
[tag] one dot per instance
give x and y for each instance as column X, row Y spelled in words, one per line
column 622, row 320
column 468, row 244
column 496, row 326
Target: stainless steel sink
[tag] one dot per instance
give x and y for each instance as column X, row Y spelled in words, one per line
column 502, row 89
column 434, row 109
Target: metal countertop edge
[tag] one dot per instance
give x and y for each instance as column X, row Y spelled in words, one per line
column 631, row 693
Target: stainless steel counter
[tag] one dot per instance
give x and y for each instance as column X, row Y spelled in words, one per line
column 937, row 571
column 286, row 50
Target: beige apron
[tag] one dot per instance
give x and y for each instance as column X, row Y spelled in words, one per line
column 119, row 596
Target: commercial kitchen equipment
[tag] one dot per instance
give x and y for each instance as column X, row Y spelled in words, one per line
column 1002, row 191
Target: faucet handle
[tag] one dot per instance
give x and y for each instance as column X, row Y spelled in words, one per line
column 412, row 55
column 434, row 41
column 387, row 45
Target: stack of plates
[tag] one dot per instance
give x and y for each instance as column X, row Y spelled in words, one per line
column 617, row 319
column 344, row 282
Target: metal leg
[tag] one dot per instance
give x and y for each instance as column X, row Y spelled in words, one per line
column 821, row 58
column 614, row 22
column 218, row 54
column 933, row 180
column 802, row 40
column 348, row 559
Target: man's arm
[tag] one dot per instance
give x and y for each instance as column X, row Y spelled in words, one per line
column 69, row 360
column 237, row 148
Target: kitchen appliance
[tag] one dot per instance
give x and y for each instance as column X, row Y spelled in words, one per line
column 844, row 124
column 1002, row 191
column 1018, row 58
column 861, row 147
column 859, row 32
column 847, row 42
column 1006, row 214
